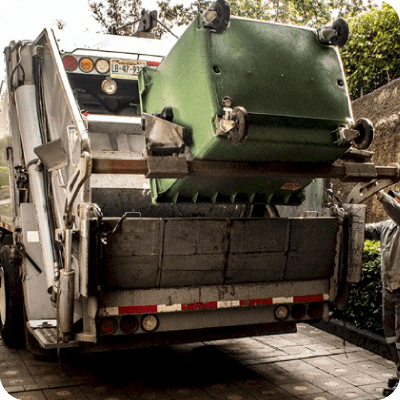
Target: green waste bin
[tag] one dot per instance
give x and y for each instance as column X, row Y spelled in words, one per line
column 292, row 87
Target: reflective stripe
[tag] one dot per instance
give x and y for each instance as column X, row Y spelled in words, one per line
column 283, row 300
column 164, row 308
column 228, row 304
column 255, row 302
column 306, row 299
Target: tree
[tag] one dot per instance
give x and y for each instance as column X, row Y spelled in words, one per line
column 299, row 12
column 371, row 58
column 116, row 13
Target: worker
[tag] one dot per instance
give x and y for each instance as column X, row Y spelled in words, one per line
column 388, row 232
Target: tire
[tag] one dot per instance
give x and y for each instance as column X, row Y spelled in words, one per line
column 366, row 129
column 342, row 29
column 12, row 327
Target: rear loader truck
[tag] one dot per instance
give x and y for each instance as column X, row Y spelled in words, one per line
column 154, row 196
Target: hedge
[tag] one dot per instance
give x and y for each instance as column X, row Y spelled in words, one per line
column 365, row 300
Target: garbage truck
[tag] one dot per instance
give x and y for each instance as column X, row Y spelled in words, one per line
column 154, row 195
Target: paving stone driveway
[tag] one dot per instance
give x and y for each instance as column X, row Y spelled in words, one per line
column 308, row 365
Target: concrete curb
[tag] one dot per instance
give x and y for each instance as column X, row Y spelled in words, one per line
column 360, row 337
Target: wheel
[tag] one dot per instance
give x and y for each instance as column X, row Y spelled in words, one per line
column 221, row 22
column 366, row 129
column 11, row 302
column 342, row 32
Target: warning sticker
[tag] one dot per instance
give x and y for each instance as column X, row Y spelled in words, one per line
column 33, row 236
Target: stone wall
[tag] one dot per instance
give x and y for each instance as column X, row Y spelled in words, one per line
column 382, row 107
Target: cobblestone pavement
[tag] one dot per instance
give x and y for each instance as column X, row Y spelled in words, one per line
column 308, row 365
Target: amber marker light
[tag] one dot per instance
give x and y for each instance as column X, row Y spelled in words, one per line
column 86, row 64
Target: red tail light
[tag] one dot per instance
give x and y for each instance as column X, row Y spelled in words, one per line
column 70, row 63
column 108, row 326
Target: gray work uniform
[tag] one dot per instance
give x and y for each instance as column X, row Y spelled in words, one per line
column 388, row 232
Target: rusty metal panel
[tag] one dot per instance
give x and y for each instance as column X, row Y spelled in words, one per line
column 189, row 270
column 198, row 262
column 256, row 267
column 312, row 233
column 177, row 252
column 190, row 278
column 312, row 264
column 258, row 235
column 136, row 237
column 128, row 272
column 195, row 236
column 312, row 248
column 132, row 253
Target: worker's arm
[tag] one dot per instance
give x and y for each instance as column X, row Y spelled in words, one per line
column 373, row 231
column 391, row 206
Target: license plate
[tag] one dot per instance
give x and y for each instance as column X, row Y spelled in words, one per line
column 126, row 69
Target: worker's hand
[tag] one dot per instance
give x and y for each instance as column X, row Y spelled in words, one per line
column 379, row 194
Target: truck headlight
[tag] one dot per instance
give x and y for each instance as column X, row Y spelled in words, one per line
column 109, row 86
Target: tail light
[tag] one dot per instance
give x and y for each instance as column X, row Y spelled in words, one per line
column 129, row 324
column 315, row 310
column 281, row 313
column 70, row 63
column 108, row 326
column 149, row 323
column 298, row 311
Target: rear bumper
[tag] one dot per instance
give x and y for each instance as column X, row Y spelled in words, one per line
column 189, row 336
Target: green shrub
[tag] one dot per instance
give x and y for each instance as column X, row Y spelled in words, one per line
column 371, row 57
column 365, row 300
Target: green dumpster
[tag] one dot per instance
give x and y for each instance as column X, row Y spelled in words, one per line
column 290, row 88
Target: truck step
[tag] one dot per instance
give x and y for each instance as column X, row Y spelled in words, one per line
column 45, row 332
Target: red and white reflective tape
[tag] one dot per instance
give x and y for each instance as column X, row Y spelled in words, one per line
column 212, row 305
column 6, row 226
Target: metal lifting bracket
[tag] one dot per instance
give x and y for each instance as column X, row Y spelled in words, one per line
column 383, row 177
column 364, row 190
column 78, row 178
